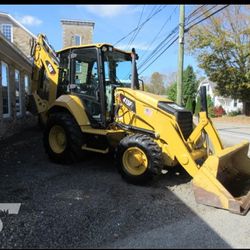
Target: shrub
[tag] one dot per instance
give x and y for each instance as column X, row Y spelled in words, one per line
column 211, row 112
column 219, row 111
column 198, row 106
column 234, row 113
column 210, row 102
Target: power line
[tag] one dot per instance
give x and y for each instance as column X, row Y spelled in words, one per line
column 187, row 29
column 160, row 47
column 173, row 41
column 148, row 19
column 191, row 14
column 137, row 28
column 202, row 14
column 161, row 44
column 154, row 39
column 161, row 53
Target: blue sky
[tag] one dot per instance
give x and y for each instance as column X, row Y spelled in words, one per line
column 112, row 22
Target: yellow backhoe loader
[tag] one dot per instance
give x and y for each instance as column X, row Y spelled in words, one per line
column 80, row 95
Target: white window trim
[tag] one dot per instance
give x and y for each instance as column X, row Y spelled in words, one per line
column 8, row 87
column 11, row 33
column 20, row 93
column 28, row 92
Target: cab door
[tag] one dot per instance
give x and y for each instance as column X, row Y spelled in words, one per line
column 87, row 82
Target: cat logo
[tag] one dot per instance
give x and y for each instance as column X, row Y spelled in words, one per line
column 127, row 102
column 50, row 68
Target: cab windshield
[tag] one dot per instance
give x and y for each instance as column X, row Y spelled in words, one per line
column 117, row 68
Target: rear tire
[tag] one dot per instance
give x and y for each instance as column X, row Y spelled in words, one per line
column 63, row 138
column 139, row 158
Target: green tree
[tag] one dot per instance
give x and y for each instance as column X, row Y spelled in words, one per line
column 221, row 45
column 156, row 85
column 210, row 106
column 172, row 91
column 189, row 104
column 190, row 85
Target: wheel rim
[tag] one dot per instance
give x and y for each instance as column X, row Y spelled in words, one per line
column 57, row 139
column 135, row 161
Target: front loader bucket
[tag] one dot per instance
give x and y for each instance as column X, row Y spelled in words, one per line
column 223, row 180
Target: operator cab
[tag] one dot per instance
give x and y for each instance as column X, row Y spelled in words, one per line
column 92, row 73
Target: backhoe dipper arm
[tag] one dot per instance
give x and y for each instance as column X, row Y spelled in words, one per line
column 46, row 62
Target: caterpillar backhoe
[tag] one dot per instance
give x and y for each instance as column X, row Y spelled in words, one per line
column 80, row 95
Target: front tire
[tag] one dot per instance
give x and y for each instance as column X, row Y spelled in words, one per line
column 139, row 158
column 63, row 138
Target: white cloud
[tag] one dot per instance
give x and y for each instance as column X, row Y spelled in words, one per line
column 30, row 20
column 137, row 46
column 108, row 10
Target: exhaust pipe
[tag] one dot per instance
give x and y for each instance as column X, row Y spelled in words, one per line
column 135, row 81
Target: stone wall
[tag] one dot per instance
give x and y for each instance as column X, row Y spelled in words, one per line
column 22, row 40
column 72, row 28
column 21, row 36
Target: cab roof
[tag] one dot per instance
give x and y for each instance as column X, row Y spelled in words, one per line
column 93, row 45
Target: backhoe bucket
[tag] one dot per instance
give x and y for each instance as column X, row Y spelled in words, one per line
column 223, row 180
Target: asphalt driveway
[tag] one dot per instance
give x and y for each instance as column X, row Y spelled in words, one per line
column 88, row 205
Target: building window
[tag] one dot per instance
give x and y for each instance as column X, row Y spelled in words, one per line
column 5, row 90
column 27, row 90
column 7, row 31
column 26, row 85
column 18, row 91
column 77, row 40
column 235, row 103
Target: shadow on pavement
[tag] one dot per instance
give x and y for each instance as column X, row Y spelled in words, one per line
column 88, row 205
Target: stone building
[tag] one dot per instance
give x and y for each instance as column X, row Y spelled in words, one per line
column 16, row 33
column 77, row 32
column 15, row 72
column 16, row 68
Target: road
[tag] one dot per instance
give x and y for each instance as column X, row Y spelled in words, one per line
column 88, row 205
column 232, row 133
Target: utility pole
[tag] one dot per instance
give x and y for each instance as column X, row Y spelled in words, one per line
column 180, row 55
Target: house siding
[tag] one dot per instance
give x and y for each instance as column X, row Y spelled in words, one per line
column 225, row 102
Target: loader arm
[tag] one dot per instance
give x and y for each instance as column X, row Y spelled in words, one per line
column 221, row 176
column 44, row 79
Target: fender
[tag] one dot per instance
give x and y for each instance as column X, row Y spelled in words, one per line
column 74, row 105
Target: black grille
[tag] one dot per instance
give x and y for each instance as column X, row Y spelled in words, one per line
column 185, row 121
column 184, row 117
